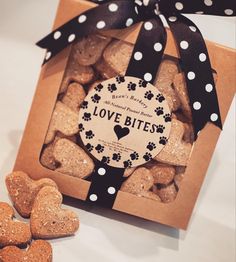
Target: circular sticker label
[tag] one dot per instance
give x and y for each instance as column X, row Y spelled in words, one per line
column 124, row 122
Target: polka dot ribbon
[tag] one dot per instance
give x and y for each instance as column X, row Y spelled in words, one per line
column 146, row 58
column 151, row 43
column 105, row 184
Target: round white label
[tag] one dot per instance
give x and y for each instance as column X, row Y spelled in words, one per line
column 124, row 122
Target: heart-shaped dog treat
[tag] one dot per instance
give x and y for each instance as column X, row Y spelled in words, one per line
column 12, row 232
column 74, row 96
column 39, row 251
column 63, row 120
column 23, row 190
column 48, row 219
column 139, row 182
column 177, row 151
column 73, row 160
column 167, row 71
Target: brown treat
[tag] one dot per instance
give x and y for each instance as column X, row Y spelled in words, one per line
column 94, row 85
column 38, row 251
column 63, row 120
column 176, row 151
column 182, row 92
column 180, row 171
column 12, row 232
column 151, row 195
column 89, row 49
column 162, row 174
column 129, row 171
column 23, row 190
column 164, row 80
column 182, row 118
column 117, row 55
column 73, row 159
column 48, row 219
column 140, row 181
column 168, row 193
column 76, row 73
column 105, row 70
column 74, row 96
column 188, row 133
column 47, row 159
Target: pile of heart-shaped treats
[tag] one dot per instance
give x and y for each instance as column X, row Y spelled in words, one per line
column 40, row 201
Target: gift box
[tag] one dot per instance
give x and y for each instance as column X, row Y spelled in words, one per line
column 114, row 128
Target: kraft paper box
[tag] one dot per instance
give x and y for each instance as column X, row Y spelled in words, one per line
column 175, row 213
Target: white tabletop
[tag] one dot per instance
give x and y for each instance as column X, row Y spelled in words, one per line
column 105, row 235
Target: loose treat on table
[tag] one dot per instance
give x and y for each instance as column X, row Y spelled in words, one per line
column 48, row 219
column 23, row 190
column 38, row 251
column 12, row 232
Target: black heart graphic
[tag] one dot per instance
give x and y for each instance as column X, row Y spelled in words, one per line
column 121, row 132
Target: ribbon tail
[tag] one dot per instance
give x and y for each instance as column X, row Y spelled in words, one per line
column 148, row 50
column 116, row 15
column 106, row 182
column 198, row 73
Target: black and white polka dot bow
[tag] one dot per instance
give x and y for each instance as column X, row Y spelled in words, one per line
column 150, row 45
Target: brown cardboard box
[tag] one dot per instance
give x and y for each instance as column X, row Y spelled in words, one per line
column 175, row 214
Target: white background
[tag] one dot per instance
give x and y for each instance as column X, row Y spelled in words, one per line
column 105, row 235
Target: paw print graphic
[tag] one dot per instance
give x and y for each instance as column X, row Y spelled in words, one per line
column 167, row 117
column 99, row 88
column 143, row 83
column 105, row 160
column 160, row 98
column 89, row 134
column 84, row 105
column 127, row 163
column 96, row 98
column 116, row 157
column 147, row 157
column 151, row 146
column 112, row 87
column 163, row 140
column 99, row 148
column 160, row 129
column 89, row 147
column 149, row 95
column 159, row 111
column 131, row 86
column 120, row 79
column 81, row 127
column 87, row 116
column 134, row 156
